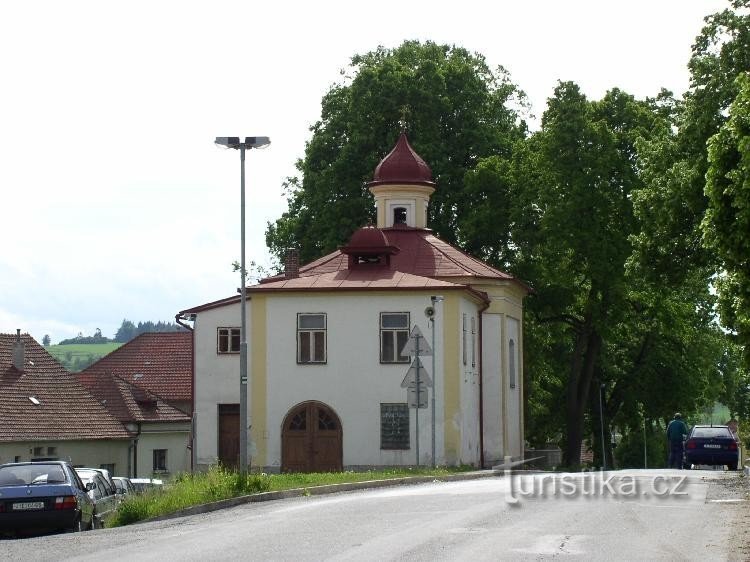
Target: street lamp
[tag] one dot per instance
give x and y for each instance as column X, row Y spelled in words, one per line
column 250, row 142
column 434, row 300
column 601, row 423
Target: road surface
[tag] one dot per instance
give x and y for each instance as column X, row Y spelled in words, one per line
column 622, row 515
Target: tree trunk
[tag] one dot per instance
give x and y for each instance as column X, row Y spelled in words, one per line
column 587, row 348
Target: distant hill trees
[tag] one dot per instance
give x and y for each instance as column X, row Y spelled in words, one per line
column 128, row 330
column 80, row 338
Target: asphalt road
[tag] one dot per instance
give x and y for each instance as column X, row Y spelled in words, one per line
column 634, row 515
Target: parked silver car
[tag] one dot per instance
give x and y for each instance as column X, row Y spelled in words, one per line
column 102, row 493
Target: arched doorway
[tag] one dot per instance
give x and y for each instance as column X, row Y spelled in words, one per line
column 311, row 439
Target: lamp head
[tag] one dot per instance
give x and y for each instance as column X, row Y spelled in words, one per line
column 229, row 142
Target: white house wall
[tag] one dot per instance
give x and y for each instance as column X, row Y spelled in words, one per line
column 216, row 377
column 353, row 382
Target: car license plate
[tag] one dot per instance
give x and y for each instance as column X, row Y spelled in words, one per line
column 22, row 506
column 711, row 446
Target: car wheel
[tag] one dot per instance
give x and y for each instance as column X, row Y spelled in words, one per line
column 732, row 466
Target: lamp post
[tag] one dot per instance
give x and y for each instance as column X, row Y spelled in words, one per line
column 250, row 142
column 601, row 423
column 434, row 300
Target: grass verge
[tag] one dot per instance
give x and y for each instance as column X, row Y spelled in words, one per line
column 187, row 490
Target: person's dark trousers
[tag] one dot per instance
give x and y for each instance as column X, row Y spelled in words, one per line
column 675, row 454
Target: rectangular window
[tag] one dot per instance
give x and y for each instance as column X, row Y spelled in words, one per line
column 473, row 342
column 311, row 338
column 227, row 340
column 512, row 363
column 160, row 460
column 394, row 333
column 463, row 340
column 38, row 451
column 394, row 426
column 51, row 451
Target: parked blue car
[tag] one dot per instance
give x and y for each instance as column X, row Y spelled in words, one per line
column 712, row 445
column 43, row 496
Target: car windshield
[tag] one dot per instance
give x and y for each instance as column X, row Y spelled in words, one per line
column 709, row 432
column 24, row 475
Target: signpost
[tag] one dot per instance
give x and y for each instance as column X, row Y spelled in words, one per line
column 415, row 378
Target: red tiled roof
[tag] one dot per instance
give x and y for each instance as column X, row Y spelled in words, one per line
column 423, row 261
column 66, row 411
column 161, row 363
column 421, row 254
column 127, row 402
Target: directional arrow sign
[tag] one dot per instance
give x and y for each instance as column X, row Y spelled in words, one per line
column 410, row 380
column 416, row 339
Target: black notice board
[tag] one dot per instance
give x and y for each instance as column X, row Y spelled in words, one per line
column 394, row 426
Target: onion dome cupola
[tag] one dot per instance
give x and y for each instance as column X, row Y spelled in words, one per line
column 369, row 246
column 402, row 186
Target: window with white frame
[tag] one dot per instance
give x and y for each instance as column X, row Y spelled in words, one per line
column 311, row 338
column 394, row 333
column 473, row 342
column 227, row 340
column 512, row 363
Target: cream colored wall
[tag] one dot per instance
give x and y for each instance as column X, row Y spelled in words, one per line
column 492, row 387
column 173, row 437
column 93, row 453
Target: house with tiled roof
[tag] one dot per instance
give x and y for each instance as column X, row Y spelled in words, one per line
column 46, row 414
column 159, row 362
column 160, row 432
column 334, row 380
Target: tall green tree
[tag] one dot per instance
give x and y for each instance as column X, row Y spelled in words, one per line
column 726, row 226
column 456, row 110
column 675, row 163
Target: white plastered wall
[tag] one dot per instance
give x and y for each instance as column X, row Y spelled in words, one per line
column 216, row 377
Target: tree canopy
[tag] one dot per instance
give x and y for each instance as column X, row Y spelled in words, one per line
column 456, row 111
column 615, row 211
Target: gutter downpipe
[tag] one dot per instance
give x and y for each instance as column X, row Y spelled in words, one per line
column 481, row 385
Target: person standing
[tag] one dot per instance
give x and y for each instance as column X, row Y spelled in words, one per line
column 675, row 432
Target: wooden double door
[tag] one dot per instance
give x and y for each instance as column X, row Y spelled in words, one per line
column 311, row 439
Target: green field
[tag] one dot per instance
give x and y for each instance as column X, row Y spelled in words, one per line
column 77, row 356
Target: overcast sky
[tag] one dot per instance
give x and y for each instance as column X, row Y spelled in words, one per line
column 114, row 201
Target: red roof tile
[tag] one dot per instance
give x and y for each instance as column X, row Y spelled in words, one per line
column 127, row 402
column 363, row 277
column 65, row 409
column 421, row 254
column 161, row 363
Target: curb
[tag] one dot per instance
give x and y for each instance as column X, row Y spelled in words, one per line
column 319, row 491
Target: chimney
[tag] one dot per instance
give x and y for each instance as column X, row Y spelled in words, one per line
column 291, row 264
column 18, row 352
